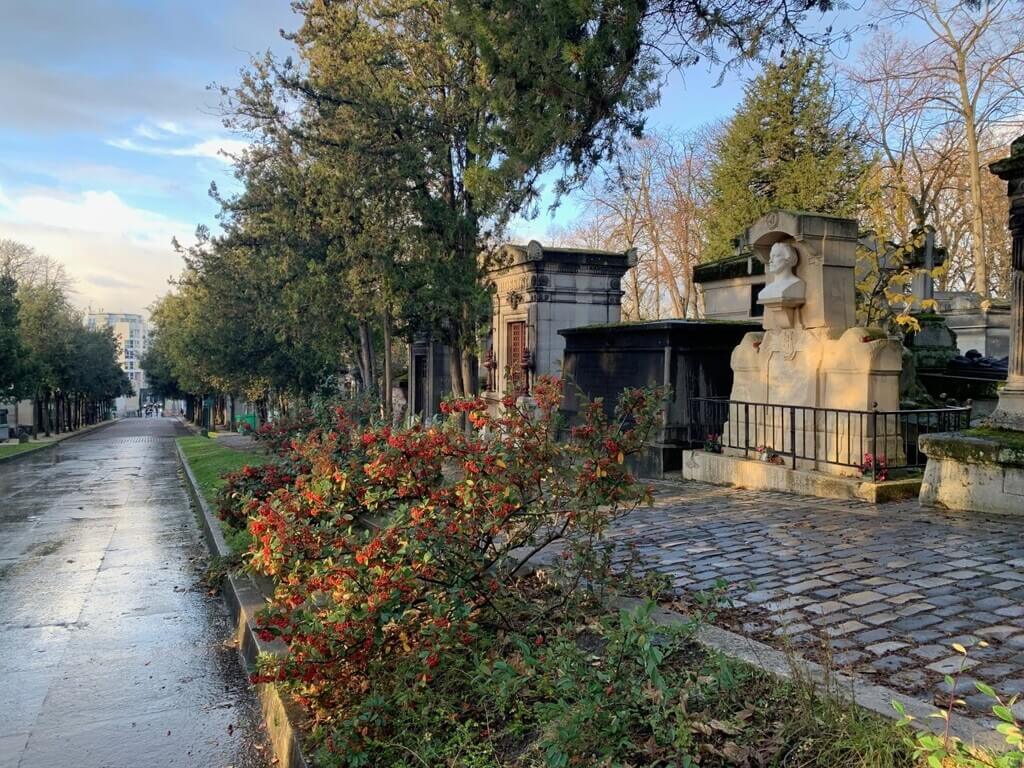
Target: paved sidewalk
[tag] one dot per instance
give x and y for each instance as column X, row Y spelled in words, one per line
column 885, row 590
column 112, row 654
column 44, row 442
column 239, row 442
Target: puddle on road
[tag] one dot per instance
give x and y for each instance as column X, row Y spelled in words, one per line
column 43, row 548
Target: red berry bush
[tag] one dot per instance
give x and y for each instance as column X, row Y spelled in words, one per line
column 243, row 491
column 395, row 548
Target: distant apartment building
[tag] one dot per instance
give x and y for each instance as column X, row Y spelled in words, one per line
column 132, row 335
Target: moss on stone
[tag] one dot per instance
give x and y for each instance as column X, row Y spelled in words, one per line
column 981, row 445
column 1005, row 437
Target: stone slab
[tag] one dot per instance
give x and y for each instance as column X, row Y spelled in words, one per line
column 738, row 472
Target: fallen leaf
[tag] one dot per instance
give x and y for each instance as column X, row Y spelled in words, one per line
column 736, row 754
column 729, row 729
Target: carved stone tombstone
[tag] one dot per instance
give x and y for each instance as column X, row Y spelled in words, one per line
column 810, row 355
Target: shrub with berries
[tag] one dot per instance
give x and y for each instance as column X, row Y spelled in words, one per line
column 397, row 547
column 281, row 434
column 243, row 490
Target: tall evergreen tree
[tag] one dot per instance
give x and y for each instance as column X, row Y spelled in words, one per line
column 787, row 146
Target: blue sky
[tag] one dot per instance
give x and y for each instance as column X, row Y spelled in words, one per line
column 109, row 138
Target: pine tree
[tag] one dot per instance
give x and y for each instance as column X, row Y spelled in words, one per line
column 788, row 147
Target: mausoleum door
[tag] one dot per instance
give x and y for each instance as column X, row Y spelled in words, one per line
column 419, row 404
column 516, row 341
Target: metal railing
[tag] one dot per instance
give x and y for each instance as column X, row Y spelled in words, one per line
column 874, row 441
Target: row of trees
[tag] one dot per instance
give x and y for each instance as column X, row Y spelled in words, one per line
column 392, row 153
column 70, row 372
column 899, row 139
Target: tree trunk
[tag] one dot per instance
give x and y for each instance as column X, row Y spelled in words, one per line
column 974, row 165
column 366, row 356
column 388, row 404
column 469, row 383
column 662, row 260
column 231, row 425
column 455, row 369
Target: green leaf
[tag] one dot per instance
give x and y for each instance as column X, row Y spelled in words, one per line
column 986, row 689
column 1003, row 713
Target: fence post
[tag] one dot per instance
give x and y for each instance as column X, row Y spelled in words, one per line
column 792, row 433
column 874, row 442
column 746, row 429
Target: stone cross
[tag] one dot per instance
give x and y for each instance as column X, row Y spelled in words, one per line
column 1009, row 414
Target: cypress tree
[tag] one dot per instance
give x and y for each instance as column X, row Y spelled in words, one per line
column 787, row 146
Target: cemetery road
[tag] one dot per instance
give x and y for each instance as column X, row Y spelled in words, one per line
column 113, row 654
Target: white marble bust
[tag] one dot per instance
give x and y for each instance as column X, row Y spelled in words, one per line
column 785, row 288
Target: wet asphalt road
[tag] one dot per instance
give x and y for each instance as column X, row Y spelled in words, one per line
column 111, row 654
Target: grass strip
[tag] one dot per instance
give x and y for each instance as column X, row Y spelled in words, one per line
column 12, row 449
column 210, row 461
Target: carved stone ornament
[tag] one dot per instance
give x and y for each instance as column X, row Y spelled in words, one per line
column 514, row 298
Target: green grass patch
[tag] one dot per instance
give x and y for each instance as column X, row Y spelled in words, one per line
column 210, row 461
column 12, row 449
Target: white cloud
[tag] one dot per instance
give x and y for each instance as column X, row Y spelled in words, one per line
column 170, row 127
column 146, row 131
column 216, row 148
column 111, row 272
column 93, row 211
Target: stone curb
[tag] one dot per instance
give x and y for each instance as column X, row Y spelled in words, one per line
column 58, row 440
column 244, row 598
column 876, row 698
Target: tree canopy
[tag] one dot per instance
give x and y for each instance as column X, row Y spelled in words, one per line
column 789, row 145
column 46, row 353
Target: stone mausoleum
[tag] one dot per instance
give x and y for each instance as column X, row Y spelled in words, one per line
column 537, row 291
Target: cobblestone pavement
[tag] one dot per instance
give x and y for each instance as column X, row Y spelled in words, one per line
column 885, row 590
column 113, row 655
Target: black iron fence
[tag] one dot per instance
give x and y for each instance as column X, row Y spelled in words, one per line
column 873, row 441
